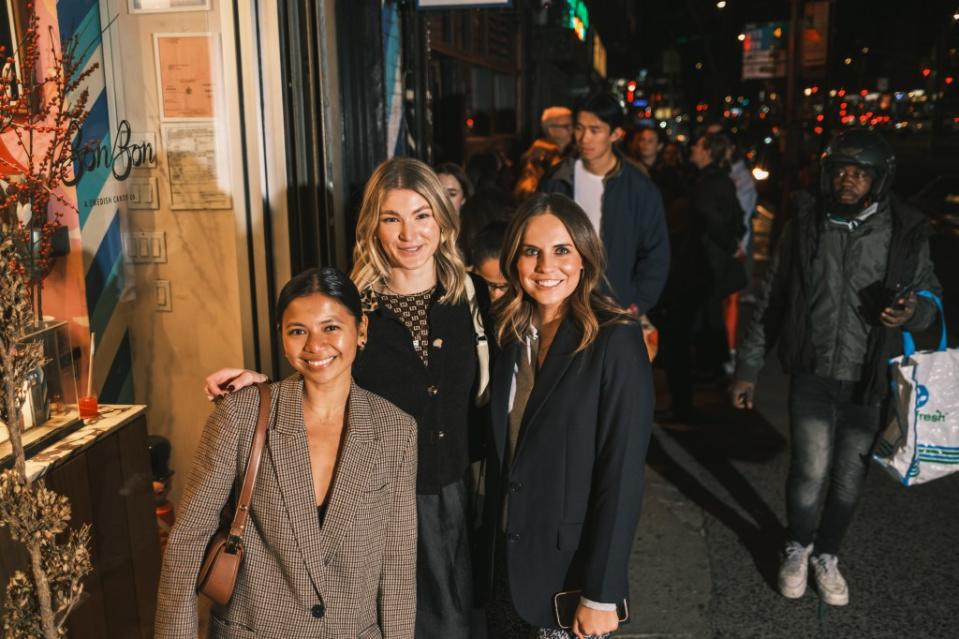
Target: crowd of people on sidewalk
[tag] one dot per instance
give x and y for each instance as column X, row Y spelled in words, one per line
column 460, row 450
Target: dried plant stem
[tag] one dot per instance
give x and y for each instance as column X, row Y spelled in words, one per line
column 15, row 429
column 15, row 421
column 44, row 104
column 47, row 621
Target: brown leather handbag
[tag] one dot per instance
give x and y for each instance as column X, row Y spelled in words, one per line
column 224, row 554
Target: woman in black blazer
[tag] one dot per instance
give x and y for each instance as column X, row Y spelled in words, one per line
column 572, row 403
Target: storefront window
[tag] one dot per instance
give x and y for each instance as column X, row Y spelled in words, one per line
column 152, row 230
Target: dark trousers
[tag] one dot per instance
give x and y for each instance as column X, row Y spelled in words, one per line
column 692, row 318
column 444, row 580
column 832, row 437
column 676, row 332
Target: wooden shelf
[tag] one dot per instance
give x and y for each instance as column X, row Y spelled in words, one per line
column 103, row 467
column 40, row 437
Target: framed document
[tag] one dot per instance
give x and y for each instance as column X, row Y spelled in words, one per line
column 184, row 65
column 197, row 168
column 168, row 6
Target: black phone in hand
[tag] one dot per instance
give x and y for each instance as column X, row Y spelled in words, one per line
column 897, row 302
column 565, row 604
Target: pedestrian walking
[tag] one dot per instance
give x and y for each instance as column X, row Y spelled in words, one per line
column 484, row 258
column 623, row 205
column 706, row 270
column 458, row 186
column 644, row 145
column 538, row 160
column 840, row 287
column 556, row 123
column 571, row 403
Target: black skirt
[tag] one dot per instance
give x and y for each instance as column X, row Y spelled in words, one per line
column 444, row 578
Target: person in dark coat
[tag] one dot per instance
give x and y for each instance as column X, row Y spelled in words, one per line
column 705, row 269
column 839, row 290
column 571, row 399
column 623, row 204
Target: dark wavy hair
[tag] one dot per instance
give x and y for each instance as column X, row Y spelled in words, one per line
column 326, row 280
column 588, row 308
column 451, row 168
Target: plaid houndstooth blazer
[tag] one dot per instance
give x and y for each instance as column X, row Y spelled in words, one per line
column 355, row 577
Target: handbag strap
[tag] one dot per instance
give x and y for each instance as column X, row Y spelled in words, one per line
column 908, row 343
column 252, row 467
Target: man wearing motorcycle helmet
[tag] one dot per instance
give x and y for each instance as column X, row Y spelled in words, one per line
column 840, row 288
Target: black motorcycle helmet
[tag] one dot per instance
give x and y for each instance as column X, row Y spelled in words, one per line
column 863, row 148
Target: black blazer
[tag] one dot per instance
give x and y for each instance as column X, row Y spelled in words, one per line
column 441, row 396
column 576, row 484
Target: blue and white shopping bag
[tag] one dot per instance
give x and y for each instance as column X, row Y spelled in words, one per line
column 921, row 442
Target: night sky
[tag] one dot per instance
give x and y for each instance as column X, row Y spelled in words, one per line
column 901, row 38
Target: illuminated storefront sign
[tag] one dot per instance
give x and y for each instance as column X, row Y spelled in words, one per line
column 578, row 18
column 764, row 51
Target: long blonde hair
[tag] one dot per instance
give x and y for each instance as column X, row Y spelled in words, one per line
column 515, row 310
column 370, row 263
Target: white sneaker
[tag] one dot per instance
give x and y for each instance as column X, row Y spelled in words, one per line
column 829, row 581
column 794, row 570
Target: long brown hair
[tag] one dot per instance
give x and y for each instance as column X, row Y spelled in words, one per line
column 370, row 264
column 588, row 308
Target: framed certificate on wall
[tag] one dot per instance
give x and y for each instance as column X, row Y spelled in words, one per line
column 168, row 6
column 186, row 64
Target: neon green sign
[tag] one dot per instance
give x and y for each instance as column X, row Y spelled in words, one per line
column 578, row 18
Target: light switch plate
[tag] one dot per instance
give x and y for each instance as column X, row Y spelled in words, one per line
column 146, row 247
column 143, row 193
column 163, row 296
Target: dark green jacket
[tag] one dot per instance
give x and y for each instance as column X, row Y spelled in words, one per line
column 825, row 289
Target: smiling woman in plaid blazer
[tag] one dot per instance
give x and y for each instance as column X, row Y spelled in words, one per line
column 330, row 548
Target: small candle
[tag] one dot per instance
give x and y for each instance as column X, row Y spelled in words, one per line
column 88, row 407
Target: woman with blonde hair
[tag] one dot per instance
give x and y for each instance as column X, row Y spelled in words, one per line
column 425, row 354
column 571, row 402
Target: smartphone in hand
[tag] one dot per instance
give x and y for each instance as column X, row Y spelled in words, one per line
column 897, row 301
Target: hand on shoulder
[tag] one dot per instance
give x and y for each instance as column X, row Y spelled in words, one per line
column 229, row 380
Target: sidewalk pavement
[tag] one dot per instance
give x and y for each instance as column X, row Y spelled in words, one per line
column 670, row 583
column 707, row 551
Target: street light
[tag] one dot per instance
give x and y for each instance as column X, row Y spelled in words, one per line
column 847, row 61
column 741, row 37
column 722, row 5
